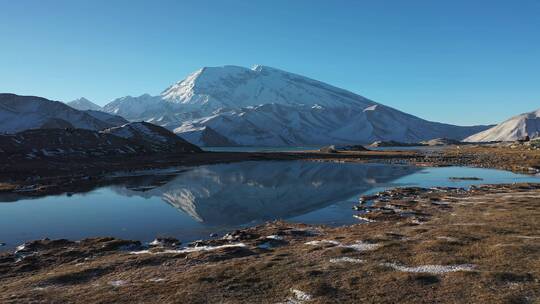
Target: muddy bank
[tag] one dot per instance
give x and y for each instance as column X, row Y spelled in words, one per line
column 411, row 245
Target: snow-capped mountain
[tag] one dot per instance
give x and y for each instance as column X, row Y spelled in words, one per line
column 265, row 106
column 517, row 127
column 18, row 113
column 231, row 87
column 83, row 104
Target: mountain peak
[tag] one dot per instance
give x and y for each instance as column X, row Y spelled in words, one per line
column 235, row 87
column 83, row 104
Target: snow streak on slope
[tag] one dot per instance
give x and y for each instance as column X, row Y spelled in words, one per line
column 269, row 107
column 517, row 127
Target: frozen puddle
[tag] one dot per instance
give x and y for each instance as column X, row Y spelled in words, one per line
column 363, row 218
column 275, row 237
column 191, row 249
column 346, row 260
column 117, row 283
column 323, row 242
column 358, row 246
column 447, row 238
column 433, row 269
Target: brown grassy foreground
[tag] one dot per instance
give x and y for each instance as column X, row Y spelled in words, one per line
column 478, row 246
column 517, row 157
column 512, row 157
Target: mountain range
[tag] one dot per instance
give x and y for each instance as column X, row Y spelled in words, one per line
column 264, row 106
column 19, row 113
column 261, row 106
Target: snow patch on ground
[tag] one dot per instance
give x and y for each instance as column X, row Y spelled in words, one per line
column 361, row 246
column 447, row 238
column 322, row 242
column 358, row 246
column 365, row 219
column 298, row 297
column 527, row 237
column 117, row 283
column 346, row 260
column 191, row 249
column 275, row 237
column 432, row 269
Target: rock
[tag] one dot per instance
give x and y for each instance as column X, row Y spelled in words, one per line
column 165, row 242
column 526, row 138
column 335, row 149
column 352, row 148
column 392, row 143
column 328, row 149
column 440, row 142
column 473, row 178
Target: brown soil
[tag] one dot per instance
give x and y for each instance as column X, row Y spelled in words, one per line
column 491, row 232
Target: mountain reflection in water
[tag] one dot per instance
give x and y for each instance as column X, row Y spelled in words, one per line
column 232, row 194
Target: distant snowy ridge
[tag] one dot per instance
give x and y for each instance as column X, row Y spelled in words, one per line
column 83, row 104
column 264, row 106
column 18, row 113
column 517, row 127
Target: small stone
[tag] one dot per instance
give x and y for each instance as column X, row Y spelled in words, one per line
column 165, row 242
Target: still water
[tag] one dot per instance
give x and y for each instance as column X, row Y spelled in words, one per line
column 194, row 202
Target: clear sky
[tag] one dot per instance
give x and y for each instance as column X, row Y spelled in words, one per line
column 462, row 62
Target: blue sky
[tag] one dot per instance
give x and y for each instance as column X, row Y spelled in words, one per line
column 462, row 62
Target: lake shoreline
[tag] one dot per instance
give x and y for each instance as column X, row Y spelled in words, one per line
column 414, row 244
column 58, row 175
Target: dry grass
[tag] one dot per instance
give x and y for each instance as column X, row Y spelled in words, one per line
column 497, row 231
